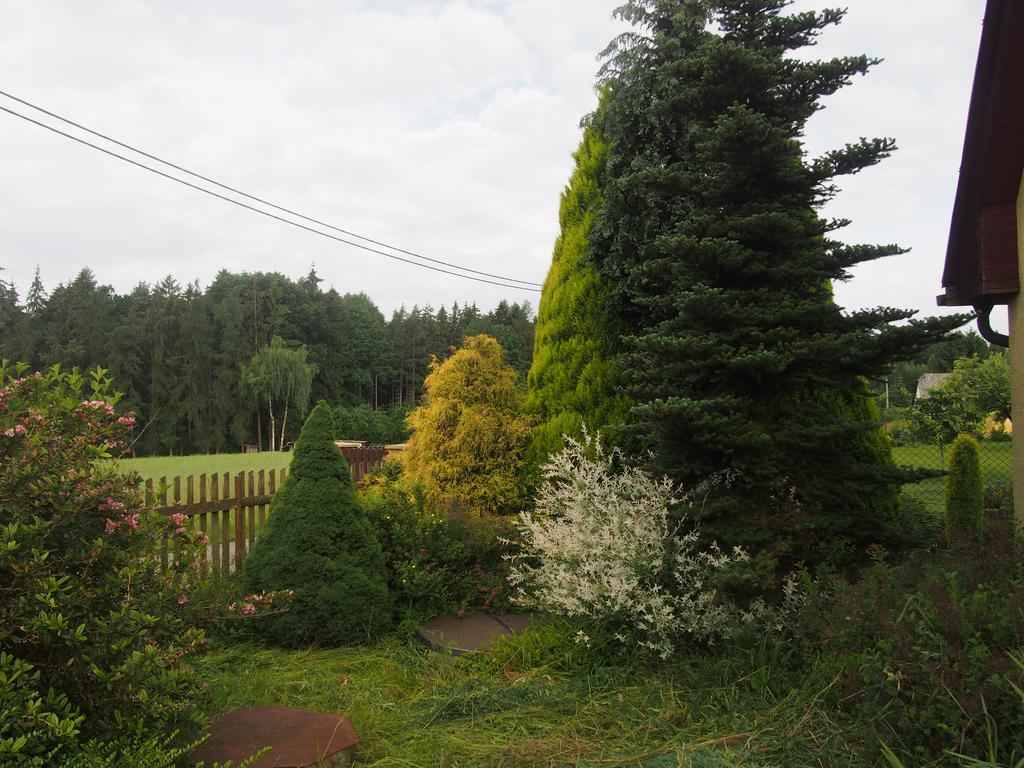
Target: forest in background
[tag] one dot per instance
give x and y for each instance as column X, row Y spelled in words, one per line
column 176, row 352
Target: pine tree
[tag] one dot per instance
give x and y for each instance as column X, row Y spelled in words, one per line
column 10, row 311
column 35, row 302
column 572, row 379
column 319, row 543
column 720, row 268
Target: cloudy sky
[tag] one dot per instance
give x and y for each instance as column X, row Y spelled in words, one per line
column 442, row 127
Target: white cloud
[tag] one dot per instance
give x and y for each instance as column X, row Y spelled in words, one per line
column 443, row 127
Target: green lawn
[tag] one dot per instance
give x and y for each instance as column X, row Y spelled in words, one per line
column 156, row 467
column 414, row 708
column 996, row 469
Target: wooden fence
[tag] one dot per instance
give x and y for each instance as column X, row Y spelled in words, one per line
column 231, row 509
column 362, row 461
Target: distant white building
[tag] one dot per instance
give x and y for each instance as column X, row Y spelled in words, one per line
column 928, row 382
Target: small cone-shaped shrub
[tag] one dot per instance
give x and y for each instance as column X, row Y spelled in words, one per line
column 319, row 543
column 965, row 500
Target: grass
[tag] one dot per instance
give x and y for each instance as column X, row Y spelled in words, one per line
column 412, row 707
column 996, row 469
column 156, row 467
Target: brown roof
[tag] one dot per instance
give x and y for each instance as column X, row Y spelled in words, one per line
column 981, row 259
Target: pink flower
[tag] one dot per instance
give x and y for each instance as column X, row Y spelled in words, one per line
column 177, row 518
column 202, row 538
column 111, row 526
column 231, row 607
column 132, row 521
column 9, row 432
column 127, row 421
column 182, row 599
column 249, row 609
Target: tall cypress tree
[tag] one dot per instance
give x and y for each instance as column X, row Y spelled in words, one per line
column 572, row 379
column 720, row 268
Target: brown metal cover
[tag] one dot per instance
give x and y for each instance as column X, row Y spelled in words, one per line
column 297, row 738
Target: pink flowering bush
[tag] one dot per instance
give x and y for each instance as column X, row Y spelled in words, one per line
column 93, row 627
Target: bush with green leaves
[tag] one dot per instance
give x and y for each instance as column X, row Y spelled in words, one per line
column 441, row 559
column 922, row 649
column 93, row 626
column 377, row 426
column 965, row 493
column 150, row 751
column 319, row 543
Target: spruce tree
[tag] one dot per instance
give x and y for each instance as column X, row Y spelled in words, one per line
column 319, row 543
column 572, row 379
column 35, row 303
column 720, row 268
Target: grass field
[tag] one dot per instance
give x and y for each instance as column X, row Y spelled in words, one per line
column 156, row 467
column 414, row 708
column 996, row 469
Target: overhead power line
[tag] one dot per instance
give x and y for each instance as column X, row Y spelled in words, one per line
column 500, row 280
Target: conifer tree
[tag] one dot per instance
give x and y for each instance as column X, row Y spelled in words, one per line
column 720, row 268
column 35, row 302
column 965, row 492
column 469, row 432
column 319, row 543
column 572, row 379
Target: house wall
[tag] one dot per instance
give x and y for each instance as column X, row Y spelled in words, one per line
column 1017, row 362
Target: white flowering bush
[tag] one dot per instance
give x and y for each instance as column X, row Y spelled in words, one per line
column 600, row 547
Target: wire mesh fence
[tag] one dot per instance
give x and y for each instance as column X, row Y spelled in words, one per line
column 996, row 469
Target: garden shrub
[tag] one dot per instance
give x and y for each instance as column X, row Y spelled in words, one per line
column 999, row 500
column 225, row 612
column 93, row 627
column 922, row 649
column 598, row 548
column 965, row 495
column 441, row 559
column 469, row 433
column 319, row 543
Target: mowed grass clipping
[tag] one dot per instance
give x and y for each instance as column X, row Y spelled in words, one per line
column 412, row 707
column 996, row 469
column 155, row 467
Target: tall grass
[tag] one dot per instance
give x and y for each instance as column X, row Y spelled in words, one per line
column 412, row 707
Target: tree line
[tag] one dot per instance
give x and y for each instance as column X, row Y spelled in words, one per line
column 177, row 352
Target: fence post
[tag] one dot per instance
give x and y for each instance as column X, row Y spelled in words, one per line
column 239, row 520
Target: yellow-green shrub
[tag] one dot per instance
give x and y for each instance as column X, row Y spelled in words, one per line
column 470, row 432
column 965, row 494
